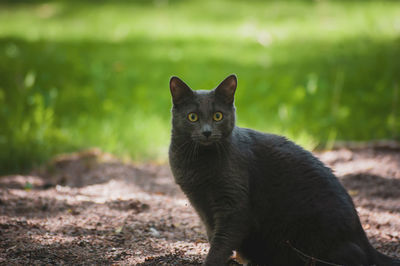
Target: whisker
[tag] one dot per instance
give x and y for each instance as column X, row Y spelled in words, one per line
column 183, row 145
column 219, row 151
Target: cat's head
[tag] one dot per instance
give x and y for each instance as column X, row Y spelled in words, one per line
column 202, row 116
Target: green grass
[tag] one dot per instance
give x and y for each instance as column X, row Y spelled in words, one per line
column 78, row 74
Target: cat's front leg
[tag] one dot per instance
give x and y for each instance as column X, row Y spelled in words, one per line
column 229, row 231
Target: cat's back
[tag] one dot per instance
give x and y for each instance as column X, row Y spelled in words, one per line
column 275, row 153
column 268, row 148
column 255, row 140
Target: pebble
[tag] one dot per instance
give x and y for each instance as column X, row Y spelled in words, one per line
column 154, row 232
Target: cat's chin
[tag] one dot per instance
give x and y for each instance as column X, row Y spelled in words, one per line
column 205, row 142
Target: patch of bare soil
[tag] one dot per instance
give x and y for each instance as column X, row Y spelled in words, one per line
column 90, row 208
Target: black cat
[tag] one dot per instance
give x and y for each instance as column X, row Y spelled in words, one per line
column 260, row 194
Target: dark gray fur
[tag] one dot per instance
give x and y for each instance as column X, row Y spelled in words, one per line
column 260, row 194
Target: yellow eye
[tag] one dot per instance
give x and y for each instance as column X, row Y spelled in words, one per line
column 193, row 117
column 217, row 116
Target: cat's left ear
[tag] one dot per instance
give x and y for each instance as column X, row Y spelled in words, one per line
column 226, row 89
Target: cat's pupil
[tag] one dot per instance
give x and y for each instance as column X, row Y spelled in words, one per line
column 193, row 117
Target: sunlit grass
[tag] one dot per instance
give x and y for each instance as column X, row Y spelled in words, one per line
column 77, row 74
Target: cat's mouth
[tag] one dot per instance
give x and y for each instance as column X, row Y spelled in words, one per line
column 206, row 141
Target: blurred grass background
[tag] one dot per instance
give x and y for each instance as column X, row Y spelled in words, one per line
column 77, row 74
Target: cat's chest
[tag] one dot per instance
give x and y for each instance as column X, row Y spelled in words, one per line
column 200, row 173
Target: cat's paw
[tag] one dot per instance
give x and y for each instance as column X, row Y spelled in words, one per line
column 238, row 259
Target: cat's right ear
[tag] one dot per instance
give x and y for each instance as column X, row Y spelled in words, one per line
column 179, row 90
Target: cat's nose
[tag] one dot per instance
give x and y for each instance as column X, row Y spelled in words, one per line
column 206, row 133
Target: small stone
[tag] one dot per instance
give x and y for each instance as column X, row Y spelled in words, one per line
column 154, row 232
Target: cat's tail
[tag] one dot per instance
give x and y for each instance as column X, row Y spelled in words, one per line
column 383, row 260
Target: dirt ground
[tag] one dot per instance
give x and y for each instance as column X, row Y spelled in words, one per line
column 91, row 208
